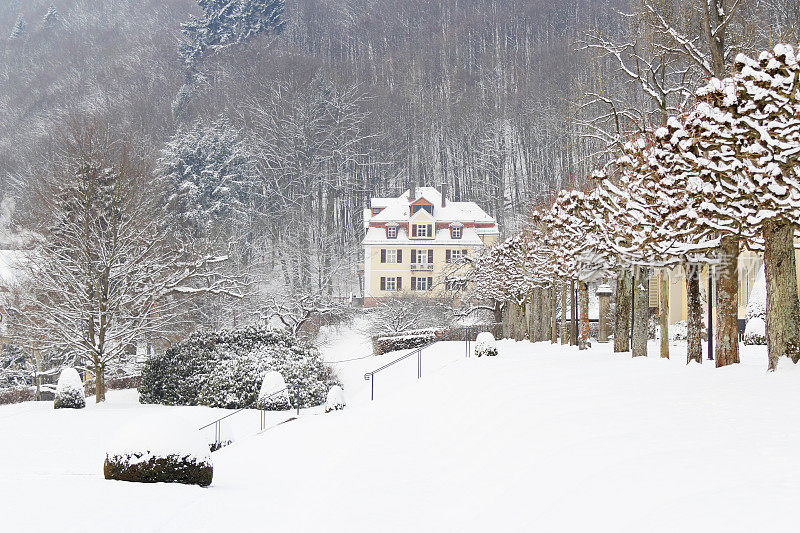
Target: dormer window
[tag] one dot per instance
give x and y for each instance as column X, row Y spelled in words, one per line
column 376, row 210
column 391, row 232
column 456, row 232
column 415, row 209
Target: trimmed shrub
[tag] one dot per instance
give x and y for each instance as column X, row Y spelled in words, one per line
column 69, row 391
column 162, row 449
column 485, row 344
column 407, row 340
column 225, row 369
column 273, row 395
column 17, row 395
column 335, row 400
column 756, row 331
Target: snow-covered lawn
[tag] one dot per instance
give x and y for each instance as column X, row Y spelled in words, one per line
column 540, row 438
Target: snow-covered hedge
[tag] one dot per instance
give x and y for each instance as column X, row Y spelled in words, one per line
column 755, row 331
column 69, row 391
column 159, row 449
column 226, row 368
column 273, row 395
column 485, row 344
column 335, row 401
column 407, row 340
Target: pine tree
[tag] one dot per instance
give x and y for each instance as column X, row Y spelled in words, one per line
column 227, row 22
column 20, row 28
column 51, row 19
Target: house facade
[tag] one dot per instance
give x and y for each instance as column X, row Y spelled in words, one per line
column 412, row 241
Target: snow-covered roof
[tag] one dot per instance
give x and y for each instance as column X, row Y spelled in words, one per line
column 397, row 209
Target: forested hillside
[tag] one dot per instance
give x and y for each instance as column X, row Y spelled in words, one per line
column 507, row 102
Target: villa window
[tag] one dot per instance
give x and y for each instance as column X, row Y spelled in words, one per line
column 454, row 256
column 422, row 230
column 416, row 208
column 391, row 232
column 391, row 256
column 376, row 210
column 421, row 284
column 455, row 232
column 391, row 284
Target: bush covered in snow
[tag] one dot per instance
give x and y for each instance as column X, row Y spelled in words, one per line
column 335, row 401
column 756, row 314
column 69, row 391
column 159, row 449
column 755, row 332
column 225, row 369
column 485, row 344
column 273, row 396
column 407, row 340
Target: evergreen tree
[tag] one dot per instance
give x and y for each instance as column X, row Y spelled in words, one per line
column 227, row 22
column 19, row 28
column 51, row 19
column 208, row 169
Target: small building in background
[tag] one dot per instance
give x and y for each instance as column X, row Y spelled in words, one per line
column 411, row 243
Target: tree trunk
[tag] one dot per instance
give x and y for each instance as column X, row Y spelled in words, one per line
column 530, row 314
column 537, row 316
column 508, row 324
column 622, row 315
column 519, row 322
column 694, row 322
column 583, row 295
column 664, row 312
column 728, row 302
column 641, row 312
column 554, row 313
column 564, row 334
column 498, row 319
column 100, row 383
column 783, row 305
column 573, row 341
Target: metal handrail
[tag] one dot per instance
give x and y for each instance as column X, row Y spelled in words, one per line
column 218, row 422
column 370, row 376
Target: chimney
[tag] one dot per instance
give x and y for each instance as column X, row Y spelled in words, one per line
column 444, row 194
column 412, row 193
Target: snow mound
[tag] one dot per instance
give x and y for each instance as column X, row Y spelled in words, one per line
column 161, row 448
column 679, row 331
column 335, row 400
column 69, row 391
column 485, row 344
column 273, row 396
column 757, row 301
column 756, row 331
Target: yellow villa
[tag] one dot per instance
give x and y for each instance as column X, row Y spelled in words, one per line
column 411, row 240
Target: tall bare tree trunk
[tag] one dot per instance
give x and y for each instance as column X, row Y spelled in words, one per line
column 554, row 313
column 100, row 383
column 498, row 319
column 728, row 302
column 622, row 315
column 519, row 322
column 641, row 311
column 537, row 316
column 583, row 295
column 694, row 319
column 508, row 320
column 783, row 305
column 573, row 341
column 530, row 315
column 664, row 312
column 564, row 334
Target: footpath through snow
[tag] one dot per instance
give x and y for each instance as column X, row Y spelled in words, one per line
column 539, row 438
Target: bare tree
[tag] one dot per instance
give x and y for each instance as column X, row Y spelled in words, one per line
column 105, row 274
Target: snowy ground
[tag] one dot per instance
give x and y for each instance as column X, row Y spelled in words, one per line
column 542, row 437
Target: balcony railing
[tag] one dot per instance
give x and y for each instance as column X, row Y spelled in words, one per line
column 421, row 267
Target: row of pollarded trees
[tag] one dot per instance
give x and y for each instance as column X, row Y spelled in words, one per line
column 709, row 183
